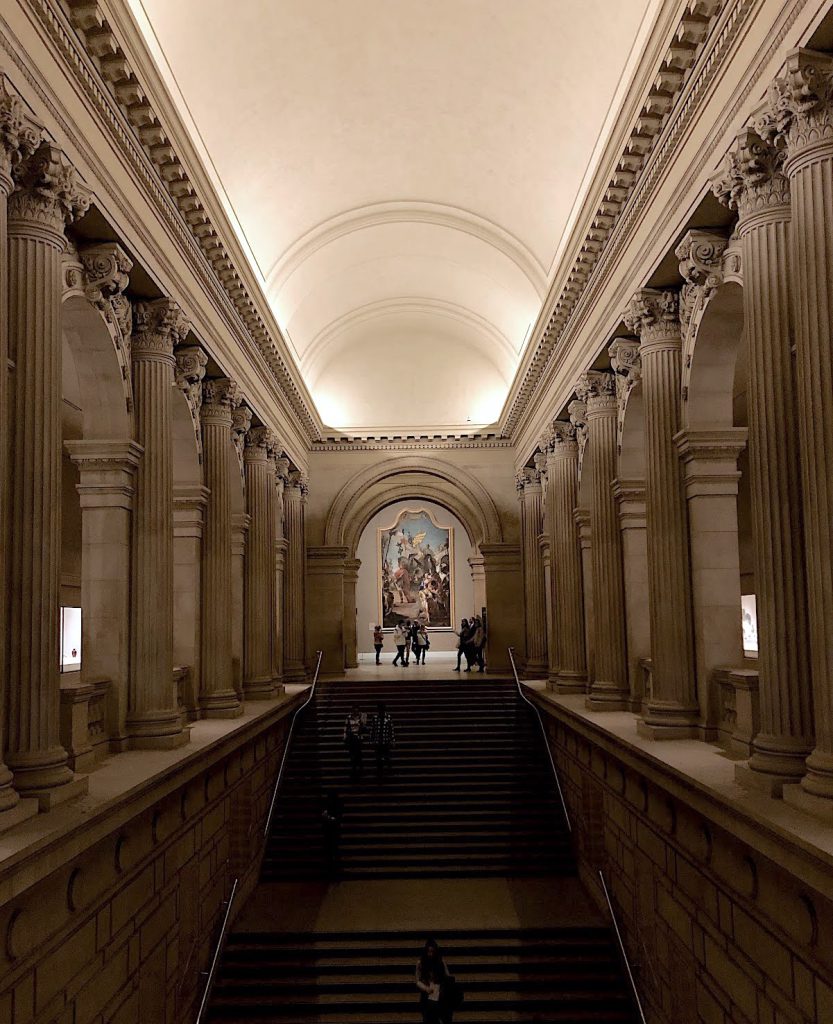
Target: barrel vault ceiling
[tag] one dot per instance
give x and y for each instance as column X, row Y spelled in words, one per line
column 402, row 175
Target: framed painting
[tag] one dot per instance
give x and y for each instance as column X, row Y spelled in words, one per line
column 416, row 568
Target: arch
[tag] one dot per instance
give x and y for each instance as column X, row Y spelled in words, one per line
column 411, row 476
column 187, row 451
column 632, row 436
column 713, row 359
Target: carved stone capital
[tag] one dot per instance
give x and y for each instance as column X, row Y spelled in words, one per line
column 281, row 468
column 241, row 421
column 299, row 482
column 528, row 479
column 597, row 389
column 752, row 177
column 158, row 326
column 190, row 370
column 800, row 105
column 540, row 460
column 626, row 360
column 701, row 265
column 220, row 396
column 577, row 410
column 106, row 275
column 19, row 133
column 257, row 444
column 654, row 314
column 48, row 194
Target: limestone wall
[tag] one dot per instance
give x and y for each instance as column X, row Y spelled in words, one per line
column 729, row 917
column 114, row 917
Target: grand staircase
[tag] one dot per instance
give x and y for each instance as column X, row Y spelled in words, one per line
column 469, row 796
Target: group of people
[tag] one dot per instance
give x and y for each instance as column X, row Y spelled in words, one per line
column 377, row 730
column 471, row 642
column 408, row 638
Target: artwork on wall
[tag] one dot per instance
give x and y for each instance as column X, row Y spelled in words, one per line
column 416, row 565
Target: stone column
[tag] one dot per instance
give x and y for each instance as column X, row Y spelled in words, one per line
column 582, row 521
column 504, row 590
column 753, row 183
column 106, row 470
column 153, row 717
column 47, row 196
column 528, row 484
column 351, row 639
column 18, row 138
column 672, row 709
column 189, row 519
column 259, row 583
column 610, row 689
column 630, row 497
column 218, row 698
column 710, row 462
column 800, row 122
column 281, row 471
column 568, row 665
column 325, row 566
column 294, row 604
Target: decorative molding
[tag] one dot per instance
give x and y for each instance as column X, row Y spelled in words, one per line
column 48, row 192
column 422, row 442
column 19, row 133
column 94, row 58
column 188, row 375
column 241, row 421
column 158, row 326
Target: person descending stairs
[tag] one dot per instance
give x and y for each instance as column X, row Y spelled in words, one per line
column 468, row 799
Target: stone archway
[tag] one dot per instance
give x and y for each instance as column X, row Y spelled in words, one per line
column 333, row 567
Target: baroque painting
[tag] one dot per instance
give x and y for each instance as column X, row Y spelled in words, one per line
column 415, row 570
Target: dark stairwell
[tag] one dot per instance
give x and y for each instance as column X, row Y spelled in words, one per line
column 463, row 839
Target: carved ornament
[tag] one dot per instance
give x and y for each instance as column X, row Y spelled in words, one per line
column 257, row 444
column 800, row 105
column 653, row 314
column 701, row 265
column 188, row 374
column 752, row 176
column 597, row 389
column 47, row 191
column 577, row 410
column 158, row 326
column 19, row 133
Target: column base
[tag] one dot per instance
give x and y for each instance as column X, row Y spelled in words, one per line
column 666, row 720
column 567, row 682
column 773, row 765
column 8, row 796
column 21, row 811
column 295, row 674
column 761, row 782
column 157, row 730
column 607, row 697
column 40, row 771
column 797, row 796
column 52, row 796
column 224, row 704
column 818, row 781
column 535, row 669
column 259, row 689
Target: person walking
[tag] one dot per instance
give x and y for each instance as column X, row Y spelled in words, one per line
column 462, row 642
column 408, row 640
column 382, row 737
column 331, row 824
column 421, row 642
column 378, row 642
column 354, row 729
column 399, row 643
column 478, row 642
column 432, row 980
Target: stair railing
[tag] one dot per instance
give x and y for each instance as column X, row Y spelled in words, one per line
column 286, row 745
column 620, row 945
column 221, row 941
column 542, row 727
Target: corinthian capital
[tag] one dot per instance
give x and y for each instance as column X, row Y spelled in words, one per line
column 800, row 105
column 220, row 395
column 106, row 275
column 626, row 360
column 299, row 482
column 597, row 389
column 257, row 444
column 559, row 439
column 752, row 176
column 654, row 314
column 47, row 192
column 19, row 133
column 190, row 370
column 158, row 326
column 700, row 254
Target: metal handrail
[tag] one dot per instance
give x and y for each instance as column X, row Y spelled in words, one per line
column 618, row 934
column 218, row 952
column 297, row 712
column 621, row 945
column 534, row 707
column 221, row 941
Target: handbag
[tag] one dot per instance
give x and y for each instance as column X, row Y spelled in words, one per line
column 453, row 993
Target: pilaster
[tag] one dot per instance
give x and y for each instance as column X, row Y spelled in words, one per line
column 351, row 640
column 294, row 603
column 630, row 499
column 190, row 503
column 528, row 484
column 672, row 710
column 259, row 585
column 281, row 471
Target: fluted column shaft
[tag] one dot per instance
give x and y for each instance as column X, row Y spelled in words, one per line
column 763, row 201
column 672, row 709
column 294, row 601
column 351, row 638
column 281, row 473
column 153, row 717
column 532, row 517
column 609, row 689
column 259, row 581
column 803, row 113
column 39, row 207
column 565, row 559
column 218, row 698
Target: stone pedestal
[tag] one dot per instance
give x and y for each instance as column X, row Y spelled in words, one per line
column 801, row 122
column 153, row 716
column 673, row 709
column 294, row 599
column 504, row 589
column 752, row 181
column 710, row 464
column 325, row 566
column 568, row 665
column 47, row 196
column 218, row 698
column 106, row 470
column 530, row 497
column 630, row 497
column 259, row 581
column 351, row 640
column 610, row 688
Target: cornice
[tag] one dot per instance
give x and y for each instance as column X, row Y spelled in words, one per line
column 404, row 444
column 672, row 99
column 92, row 55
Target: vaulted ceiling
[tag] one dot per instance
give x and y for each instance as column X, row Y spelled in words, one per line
column 402, row 174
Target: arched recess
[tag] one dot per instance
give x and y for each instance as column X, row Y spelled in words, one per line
column 99, row 458
column 713, row 449
column 450, row 486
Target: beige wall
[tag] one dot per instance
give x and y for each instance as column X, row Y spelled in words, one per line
column 367, row 600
